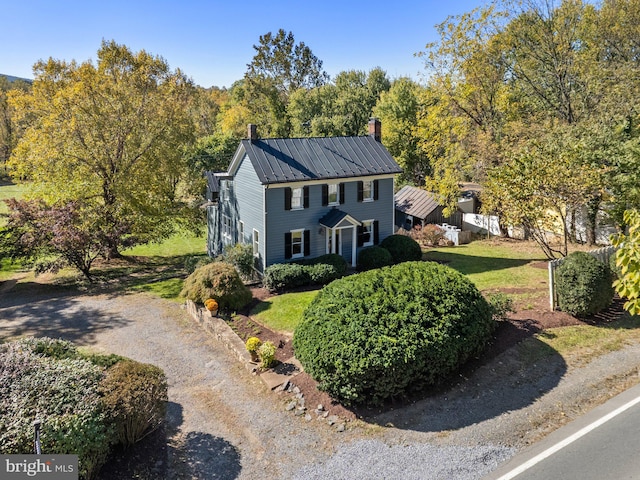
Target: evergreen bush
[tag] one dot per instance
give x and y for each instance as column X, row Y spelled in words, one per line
column 385, row 332
column 135, row 399
column 584, row 285
column 284, row 276
column 217, row 280
column 373, row 257
column 402, row 248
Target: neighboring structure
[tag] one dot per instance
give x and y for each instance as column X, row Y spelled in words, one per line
column 415, row 206
column 296, row 198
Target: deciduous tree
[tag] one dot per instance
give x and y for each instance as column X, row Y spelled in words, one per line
column 111, row 137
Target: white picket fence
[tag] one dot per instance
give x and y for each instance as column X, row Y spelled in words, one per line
column 602, row 254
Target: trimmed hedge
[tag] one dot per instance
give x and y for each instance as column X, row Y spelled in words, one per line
column 373, row 257
column 584, row 285
column 382, row 333
column 402, row 248
column 283, row 276
column 219, row 281
column 320, row 271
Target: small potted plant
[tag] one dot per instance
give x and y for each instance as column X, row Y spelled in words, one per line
column 252, row 346
column 211, row 305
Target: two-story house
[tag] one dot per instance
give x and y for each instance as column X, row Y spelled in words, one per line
column 296, row 198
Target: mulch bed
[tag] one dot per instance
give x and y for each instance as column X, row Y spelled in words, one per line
column 525, row 322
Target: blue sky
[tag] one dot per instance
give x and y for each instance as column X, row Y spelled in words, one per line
column 211, row 41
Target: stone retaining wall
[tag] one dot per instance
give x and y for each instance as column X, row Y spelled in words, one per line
column 221, row 331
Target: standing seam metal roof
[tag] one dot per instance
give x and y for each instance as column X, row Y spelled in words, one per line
column 280, row 160
column 415, row 201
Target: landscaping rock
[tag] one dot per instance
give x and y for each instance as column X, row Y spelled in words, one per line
column 291, row 405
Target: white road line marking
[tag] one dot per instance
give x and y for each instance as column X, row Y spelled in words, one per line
column 567, row 441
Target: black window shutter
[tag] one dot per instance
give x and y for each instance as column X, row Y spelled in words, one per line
column 305, row 192
column 375, row 189
column 375, row 232
column 287, row 245
column 360, row 237
column 325, row 195
column 342, row 193
column 360, row 190
column 287, row 198
column 307, row 243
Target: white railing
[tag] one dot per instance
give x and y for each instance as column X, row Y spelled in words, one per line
column 601, row 254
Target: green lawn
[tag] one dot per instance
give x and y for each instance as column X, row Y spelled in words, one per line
column 9, row 190
column 282, row 313
column 175, row 246
column 496, row 264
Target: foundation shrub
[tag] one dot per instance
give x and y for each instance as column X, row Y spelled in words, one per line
column 373, row 257
column 402, row 248
column 285, row 276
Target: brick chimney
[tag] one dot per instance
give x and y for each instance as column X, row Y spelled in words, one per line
column 375, row 129
column 252, row 132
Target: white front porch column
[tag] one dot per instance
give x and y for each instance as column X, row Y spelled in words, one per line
column 354, row 245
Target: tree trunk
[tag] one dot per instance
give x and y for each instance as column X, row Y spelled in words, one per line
column 593, row 206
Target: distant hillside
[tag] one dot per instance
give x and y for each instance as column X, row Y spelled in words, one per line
column 13, row 79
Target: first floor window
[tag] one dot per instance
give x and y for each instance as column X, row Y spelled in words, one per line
column 256, row 243
column 297, row 238
column 368, row 233
column 297, row 243
column 226, row 229
column 241, row 232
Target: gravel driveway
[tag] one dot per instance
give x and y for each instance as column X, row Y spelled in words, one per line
column 224, row 424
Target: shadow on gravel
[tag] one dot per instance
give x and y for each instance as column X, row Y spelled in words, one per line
column 207, row 457
column 52, row 312
column 512, row 380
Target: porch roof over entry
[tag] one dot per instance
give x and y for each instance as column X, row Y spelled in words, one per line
column 335, row 217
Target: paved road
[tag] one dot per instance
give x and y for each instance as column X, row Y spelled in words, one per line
column 603, row 444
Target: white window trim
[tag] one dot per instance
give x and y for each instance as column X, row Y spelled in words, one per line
column 337, row 186
column 241, row 232
column 301, row 254
column 301, row 206
column 256, row 244
column 371, row 233
column 371, row 187
column 227, row 229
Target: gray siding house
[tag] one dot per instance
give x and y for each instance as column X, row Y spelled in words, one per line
column 297, row 198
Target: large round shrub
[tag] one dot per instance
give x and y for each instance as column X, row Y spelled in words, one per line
column 584, row 285
column 385, row 332
column 220, row 281
column 402, row 248
column 373, row 257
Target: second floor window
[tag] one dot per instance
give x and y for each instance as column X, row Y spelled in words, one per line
column 333, row 194
column 367, row 190
column 296, row 198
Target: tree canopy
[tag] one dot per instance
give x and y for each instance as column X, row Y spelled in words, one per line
column 111, row 138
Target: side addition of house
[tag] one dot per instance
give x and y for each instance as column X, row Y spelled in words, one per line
column 298, row 198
